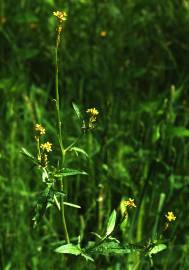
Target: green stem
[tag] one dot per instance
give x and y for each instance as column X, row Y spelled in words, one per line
column 62, row 210
column 160, row 206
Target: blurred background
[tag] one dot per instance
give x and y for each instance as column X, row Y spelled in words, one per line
column 130, row 60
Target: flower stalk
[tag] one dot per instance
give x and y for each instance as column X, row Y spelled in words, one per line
column 61, row 16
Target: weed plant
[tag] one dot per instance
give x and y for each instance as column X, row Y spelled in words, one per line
column 127, row 59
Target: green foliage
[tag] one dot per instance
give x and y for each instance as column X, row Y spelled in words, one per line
column 67, row 172
column 129, row 59
column 79, row 150
column 77, row 111
column 70, row 249
column 45, row 198
column 157, row 249
column 114, row 248
column 111, row 223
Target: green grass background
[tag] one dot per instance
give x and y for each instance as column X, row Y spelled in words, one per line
column 137, row 77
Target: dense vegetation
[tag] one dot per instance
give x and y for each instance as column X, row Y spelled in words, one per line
column 128, row 60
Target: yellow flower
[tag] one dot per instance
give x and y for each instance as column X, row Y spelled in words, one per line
column 170, row 216
column 39, row 129
column 130, row 203
column 93, row 111
column 61, row 15
column 46, row 146
column 103, row 33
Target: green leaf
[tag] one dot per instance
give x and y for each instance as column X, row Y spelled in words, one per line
column 27, row 154
column 113, row 248
column 157, row 249
column 46, row 197
column 77, row 111
column 50, row 2
column 8, row 266
column 45, row 176
column 69, row 249
column 87, row 257
column 111, row 223
column 79, row 150
column 178, row 132
column 68, row 172
column 72, row 205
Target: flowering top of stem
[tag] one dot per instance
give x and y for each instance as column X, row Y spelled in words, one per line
column 39, row 129
column 93, row 111
column 130, row 203
column 170, row 216
column 61, row 15
column 46, row 146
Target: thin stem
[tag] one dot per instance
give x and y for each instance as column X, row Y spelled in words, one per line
column 60, row 138
column 38, row 149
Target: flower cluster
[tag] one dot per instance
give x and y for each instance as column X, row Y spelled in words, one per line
column 46, row 147
column 42, row 148
column 42, row 155
column 39, row 129
column 130, row 203
column 61, row 15
column 93, row 112
column 170, row 216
